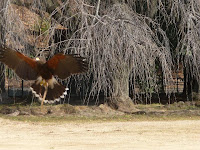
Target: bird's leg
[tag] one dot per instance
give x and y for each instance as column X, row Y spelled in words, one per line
column 44, row 96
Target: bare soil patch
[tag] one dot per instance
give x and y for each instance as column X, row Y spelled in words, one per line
column 139, row 135
column 61, row 127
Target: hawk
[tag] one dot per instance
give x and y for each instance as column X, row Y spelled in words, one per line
column 45, row 87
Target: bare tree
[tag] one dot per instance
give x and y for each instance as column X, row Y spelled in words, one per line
column 3, row 5
column 124, row 41
column 123, row 50
column 184, row 19
column 189, row 45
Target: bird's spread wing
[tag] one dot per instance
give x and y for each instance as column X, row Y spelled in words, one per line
column 23, row 66
column 65, row 65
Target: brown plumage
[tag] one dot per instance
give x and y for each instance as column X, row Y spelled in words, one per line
column 43, row 73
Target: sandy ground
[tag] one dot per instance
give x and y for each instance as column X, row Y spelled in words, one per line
column 144, row 135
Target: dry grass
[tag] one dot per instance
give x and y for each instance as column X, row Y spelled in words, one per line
column 84, row 114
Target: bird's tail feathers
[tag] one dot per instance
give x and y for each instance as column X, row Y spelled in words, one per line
column 54, row 94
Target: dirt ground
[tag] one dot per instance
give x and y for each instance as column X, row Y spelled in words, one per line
column 133, row 135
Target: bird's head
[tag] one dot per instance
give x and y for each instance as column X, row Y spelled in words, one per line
column 37, row 59
column 41, row 60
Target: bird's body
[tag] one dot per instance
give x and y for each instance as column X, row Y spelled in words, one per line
column 46, row 81
column 44, row 70
column 45, row 87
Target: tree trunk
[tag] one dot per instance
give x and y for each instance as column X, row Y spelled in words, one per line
column 2, row 77
column 120, row 99
column 195, row 91
column 191, row 87
column 2, row 41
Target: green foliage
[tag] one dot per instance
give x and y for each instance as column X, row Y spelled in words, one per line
column 43, row 26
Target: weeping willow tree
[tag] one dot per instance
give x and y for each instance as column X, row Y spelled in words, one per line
column 188, row 47
column 123, row 50
column 181, row 22
column 2, row 41
column 124, row 41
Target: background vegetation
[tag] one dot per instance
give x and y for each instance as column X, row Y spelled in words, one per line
column 132, row 46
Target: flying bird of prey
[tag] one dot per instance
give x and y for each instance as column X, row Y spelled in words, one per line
column 45, row 87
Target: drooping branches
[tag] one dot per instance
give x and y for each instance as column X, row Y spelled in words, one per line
column 123, row 40
column 123, row 49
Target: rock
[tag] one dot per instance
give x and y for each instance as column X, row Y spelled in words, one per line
column 180, row 104
column 38, row 111
column 6, row 110
column 197, row 103
column 16, row 113
column 188, row 103
column 157, row 113
column 68, row 109
column 22, row 112
column 105, row 108
column 140, row 112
